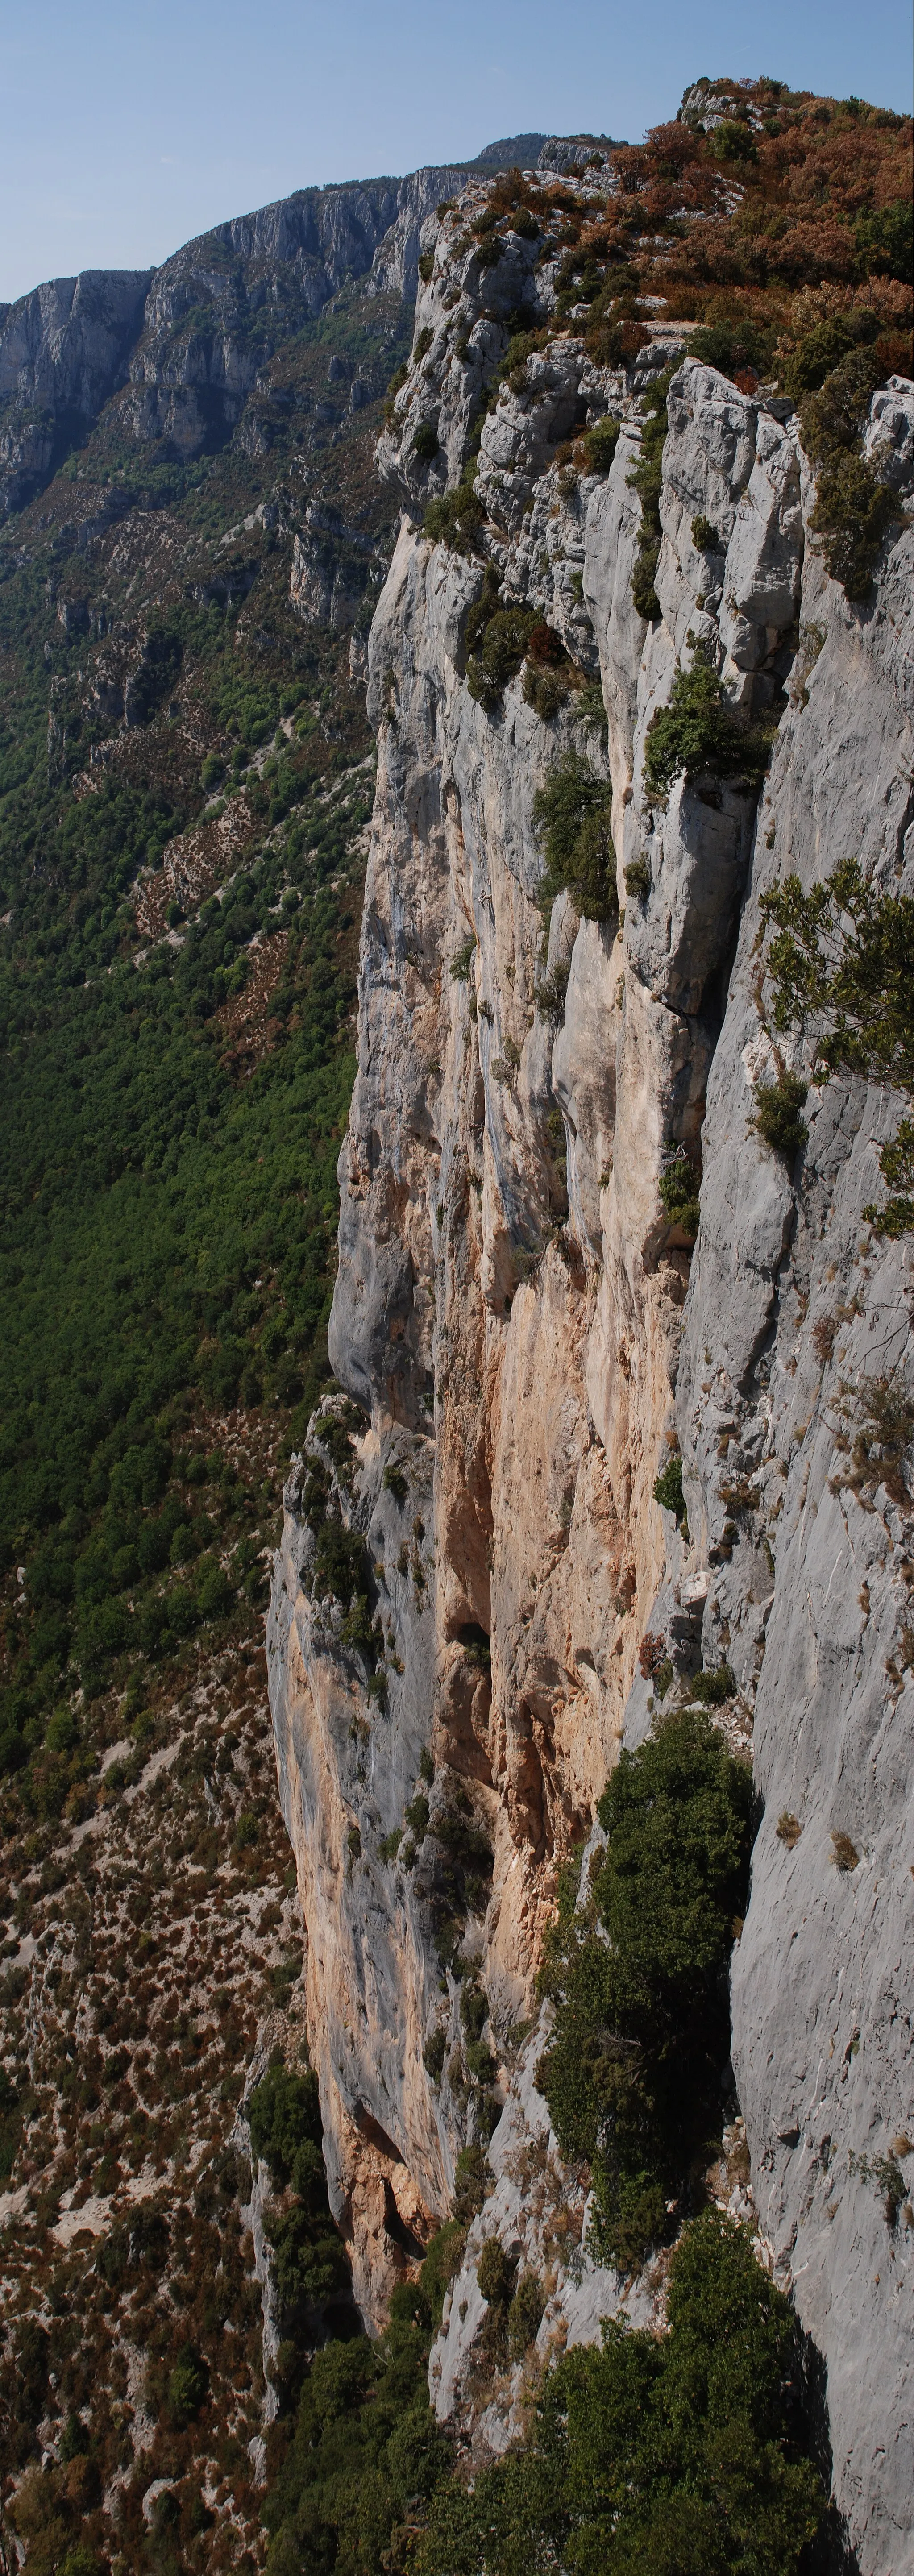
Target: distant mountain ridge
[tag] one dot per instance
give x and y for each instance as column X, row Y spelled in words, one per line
column 187, row 341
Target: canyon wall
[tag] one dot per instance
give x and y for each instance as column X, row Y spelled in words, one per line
column 529, row 1337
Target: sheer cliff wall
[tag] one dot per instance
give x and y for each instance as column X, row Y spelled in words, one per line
column 530, row 1337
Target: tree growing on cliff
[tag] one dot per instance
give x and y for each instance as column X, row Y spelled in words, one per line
column 842, row 956
column 571, row 815
column 639, row 1981
column 683, row 2454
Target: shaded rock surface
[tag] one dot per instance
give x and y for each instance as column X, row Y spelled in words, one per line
column 528, row 1333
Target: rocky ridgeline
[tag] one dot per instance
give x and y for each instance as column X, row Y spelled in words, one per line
column 521, row 1318
column 185, row 344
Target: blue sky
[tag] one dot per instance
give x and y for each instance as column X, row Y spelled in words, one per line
column 127, row 129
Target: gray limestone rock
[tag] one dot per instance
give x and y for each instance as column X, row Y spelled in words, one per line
column 515, row 1306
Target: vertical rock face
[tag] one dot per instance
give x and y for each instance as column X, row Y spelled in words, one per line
column 527, row 1331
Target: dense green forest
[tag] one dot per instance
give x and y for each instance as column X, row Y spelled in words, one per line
column 180, row 924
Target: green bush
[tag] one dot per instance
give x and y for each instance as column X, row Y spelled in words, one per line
column 213, row 1590
column 525, row 2315
column 495, row 2273
column 885, row 240
column 680, row 2454
column 393, row 1479
column 600, row 444
column 854, row 512
column 678, row 1186
column 425, row 441
column 340, row 1564
column 284, row 2115
column 777, row 1114
column 853, row 515
column 456, row 517
column 668, row 1488
column 187, row 2385
column 460, row 965
column 546, row 690
column 704, row 535
column 443, row 2258
column 631, row 2072
column 433, row 2055
column 426, row 270
column 713, row 1687
column 365, row 2458
column 696, row 733
column 732, row 345
column 571, row 816
column 733, row 140
column 638, row 877
column 397, row 381
column 647, row 481
column 504, row 644
column 836, row 415
column 822, row 348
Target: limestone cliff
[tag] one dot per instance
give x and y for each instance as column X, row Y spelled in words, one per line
column 529, row 1335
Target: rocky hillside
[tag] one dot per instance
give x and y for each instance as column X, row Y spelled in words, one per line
column 621, row 1322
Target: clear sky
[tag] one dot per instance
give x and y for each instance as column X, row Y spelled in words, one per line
column 128, row 128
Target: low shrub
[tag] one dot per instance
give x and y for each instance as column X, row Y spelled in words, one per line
column 853, row 516
column 777, row 1114
column 631, row 2072
column 681, row 2454
column 571, row 815
column 805, row 365
column 547, row 677
column 433, row 2055
column 456, row 518
column 545, row 691
column 397, row 381
column 503, row 648
column 525, row 2315
column 678, row 1186
column 600, row 444
column 704, row 535
column 713, row 1687
column 425, row 441
column 495, row 2273
column 366, row 2454
column 788, row 1828
column 443, row 2258
column 844, row 955
column 393, row 1480
column 734, row 344
column 854, row 512
column 697, row 734
column 668, row 1488
column 647, row 481
column 844, row 1853
column 187, row 2385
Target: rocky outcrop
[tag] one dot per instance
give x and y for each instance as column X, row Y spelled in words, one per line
column 62, row 351
column 528, row 1333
